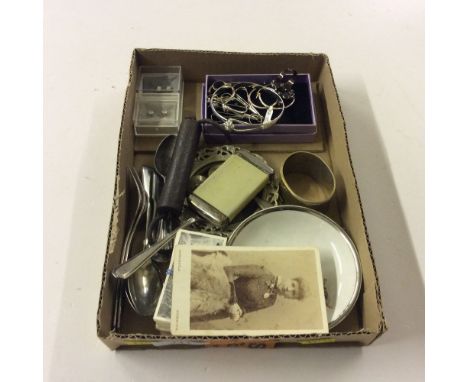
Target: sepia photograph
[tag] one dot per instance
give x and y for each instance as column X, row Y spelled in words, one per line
column 162, row 315
column 248, row 291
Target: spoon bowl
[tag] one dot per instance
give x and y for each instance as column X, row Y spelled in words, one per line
column 163, row 155
column 144, row 288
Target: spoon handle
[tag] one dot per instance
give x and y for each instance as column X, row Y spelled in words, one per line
column 125, row 270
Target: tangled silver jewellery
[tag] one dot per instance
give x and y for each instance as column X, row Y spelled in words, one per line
column 249, row 106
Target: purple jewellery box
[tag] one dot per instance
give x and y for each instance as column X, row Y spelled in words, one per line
column 297, row 125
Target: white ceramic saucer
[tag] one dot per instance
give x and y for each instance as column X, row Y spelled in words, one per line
column 286, row 225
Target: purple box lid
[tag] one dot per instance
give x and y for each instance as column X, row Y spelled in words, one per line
column 298, row 119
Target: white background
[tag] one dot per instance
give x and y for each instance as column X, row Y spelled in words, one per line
column 376, row 49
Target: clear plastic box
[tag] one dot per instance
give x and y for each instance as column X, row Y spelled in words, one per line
column 160, row 79
column 158, row 102
column 157, row 114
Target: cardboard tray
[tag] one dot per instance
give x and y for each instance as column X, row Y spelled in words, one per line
column 366, row 322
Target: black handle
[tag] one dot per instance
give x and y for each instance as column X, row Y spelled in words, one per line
column 175, row 186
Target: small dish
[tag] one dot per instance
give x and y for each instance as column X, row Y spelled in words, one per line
column 289, row 225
